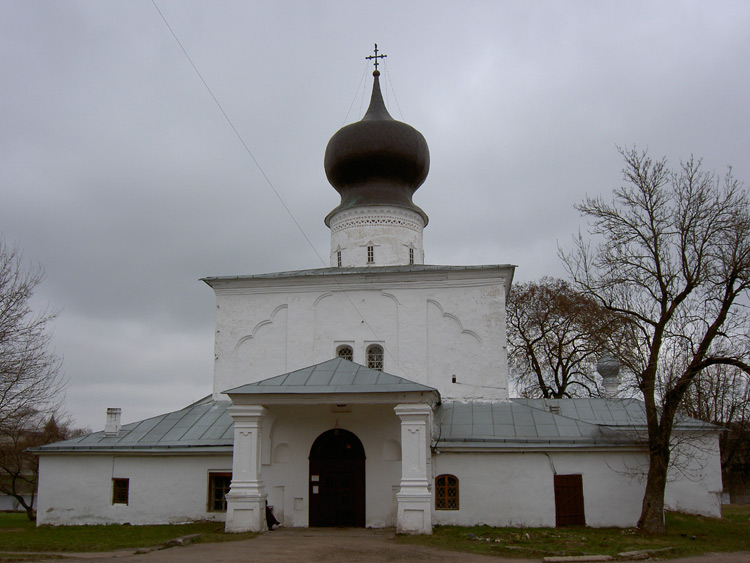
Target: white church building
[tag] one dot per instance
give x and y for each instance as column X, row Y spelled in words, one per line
column 371, row 393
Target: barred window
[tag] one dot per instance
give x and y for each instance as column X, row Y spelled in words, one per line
column 218, row 487
column 338, row 258
column 345, row 352
column 370, row 254
column 375, row 357
column 120, row 491
column 411, row 256
column 446, row 492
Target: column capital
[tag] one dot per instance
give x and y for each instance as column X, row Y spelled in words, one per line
column 407, row 410
column 247, row 413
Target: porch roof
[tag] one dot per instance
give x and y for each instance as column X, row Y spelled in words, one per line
column 332, row 376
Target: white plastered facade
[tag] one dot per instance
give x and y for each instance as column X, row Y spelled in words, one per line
column 443, row 334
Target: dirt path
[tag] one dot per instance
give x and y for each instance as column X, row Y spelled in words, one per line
column 324, row 544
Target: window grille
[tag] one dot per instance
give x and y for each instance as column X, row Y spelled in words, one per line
column 120, row 491
column 446, row 492
column 370, row 254
column 338, row 258
column 375, row 357
column 218, row 487
column 345, row 352
column 411, row 256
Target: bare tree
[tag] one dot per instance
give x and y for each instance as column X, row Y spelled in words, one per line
column 672, row 256
column 30, row 372
column 555, row 336
column 31, row 381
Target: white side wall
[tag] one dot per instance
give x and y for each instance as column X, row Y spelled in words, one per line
column 431, row 328
column 77, row 489
column 695, row 482
column 517, row 489
column 497, row 489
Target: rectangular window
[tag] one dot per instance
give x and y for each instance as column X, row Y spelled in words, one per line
column 338, row 258
column 411, row 256
column 370, row 254
column 120, row 491
column 218, row 487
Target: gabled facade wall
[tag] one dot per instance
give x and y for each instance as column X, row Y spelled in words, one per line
column 291, row 431
column 433, row 325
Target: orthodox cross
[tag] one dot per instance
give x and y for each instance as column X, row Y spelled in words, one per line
column 376, row 57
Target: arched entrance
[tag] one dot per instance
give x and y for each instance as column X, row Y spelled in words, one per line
column 337, row 480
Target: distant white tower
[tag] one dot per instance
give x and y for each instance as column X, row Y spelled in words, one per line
column 609, row 368
column 376, row 164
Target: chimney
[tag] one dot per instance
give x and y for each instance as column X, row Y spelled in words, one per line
column 112, row 426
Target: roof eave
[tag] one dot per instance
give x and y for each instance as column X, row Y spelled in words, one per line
column 431, row 397
column 136, row 450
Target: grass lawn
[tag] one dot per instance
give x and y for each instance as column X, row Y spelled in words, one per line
column 17, row 533
column 686, row 535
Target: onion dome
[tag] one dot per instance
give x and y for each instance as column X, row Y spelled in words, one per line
column 377, row 161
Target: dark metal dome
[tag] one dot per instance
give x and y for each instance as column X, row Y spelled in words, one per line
column 378, row 160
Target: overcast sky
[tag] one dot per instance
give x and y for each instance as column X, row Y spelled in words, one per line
column 120, row 175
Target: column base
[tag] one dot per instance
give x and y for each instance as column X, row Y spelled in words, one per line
column 246, row 513
column 414, row 513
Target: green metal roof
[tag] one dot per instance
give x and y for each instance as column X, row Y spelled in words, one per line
column 549, row 423
column 630, row 413
column 204, row 426
column 515, row 424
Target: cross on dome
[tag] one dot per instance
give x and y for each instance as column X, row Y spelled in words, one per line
column 376, row 57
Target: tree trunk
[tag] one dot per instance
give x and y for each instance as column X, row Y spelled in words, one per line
column 652, row 510
column 27, row 506
column 31, row 513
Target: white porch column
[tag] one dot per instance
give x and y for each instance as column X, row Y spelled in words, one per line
column 246, row 499
column 414, row 498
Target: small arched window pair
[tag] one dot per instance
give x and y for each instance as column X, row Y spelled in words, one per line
column 375, row 357
column 346, row 352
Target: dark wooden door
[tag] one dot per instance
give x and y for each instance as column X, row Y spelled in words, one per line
column 569, row 501
column 337, row 480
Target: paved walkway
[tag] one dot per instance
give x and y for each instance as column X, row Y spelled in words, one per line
column 334, row 545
